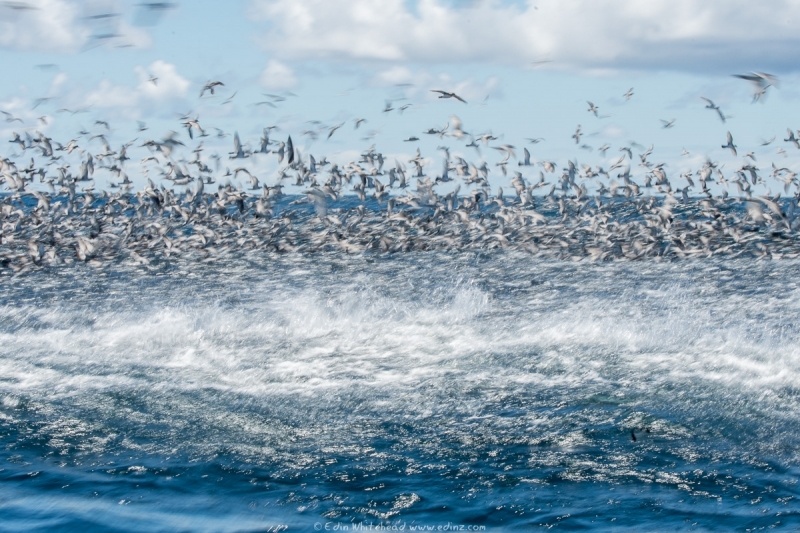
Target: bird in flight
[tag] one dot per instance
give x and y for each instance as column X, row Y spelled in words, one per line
column 730, row 144
column 334, row 128
column 715, row 107
column 445, row 94
column 210, row 87
column 761, row 82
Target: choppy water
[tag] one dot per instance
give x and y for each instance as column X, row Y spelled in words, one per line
column 417, row 389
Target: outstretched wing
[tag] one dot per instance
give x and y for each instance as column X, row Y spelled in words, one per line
column 289, row 151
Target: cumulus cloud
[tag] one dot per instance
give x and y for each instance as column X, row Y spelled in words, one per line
column 396, row 75
column 580, row 34
column 41, row 25
column 161, row 81
column 158, row 83
column 416, row 84
column 58, row 82
column 67, row 26
column 109, row 95
column 278, row 77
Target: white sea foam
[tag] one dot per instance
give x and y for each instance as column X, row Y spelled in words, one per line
column 258, row 363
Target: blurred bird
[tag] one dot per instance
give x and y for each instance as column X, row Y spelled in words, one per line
column 730, row 144
column 715, row 107
column 445, row 94
column 761, row 82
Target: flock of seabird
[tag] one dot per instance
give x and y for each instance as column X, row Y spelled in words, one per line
column 52, row 214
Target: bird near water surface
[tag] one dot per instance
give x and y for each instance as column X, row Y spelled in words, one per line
column 54, row 212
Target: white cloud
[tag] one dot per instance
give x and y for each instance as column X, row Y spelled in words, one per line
column 108, row 95
column 585, row 34
column 58, row 82
column 395, row 76
column 278, row 76
column 168, row 86
column 67, row 26
column 132, row 36
column 415, row 84
column 20, row 108
column 46, row 25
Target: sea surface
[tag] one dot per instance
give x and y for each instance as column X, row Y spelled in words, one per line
column 459, row 390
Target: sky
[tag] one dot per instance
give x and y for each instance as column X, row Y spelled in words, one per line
column 527, row 70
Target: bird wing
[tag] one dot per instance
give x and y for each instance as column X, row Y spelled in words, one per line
column 768, row 78
column 289, row 151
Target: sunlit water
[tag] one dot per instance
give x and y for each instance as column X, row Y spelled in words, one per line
column 417, row 389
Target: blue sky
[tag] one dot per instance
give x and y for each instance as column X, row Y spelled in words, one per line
column 527, row 69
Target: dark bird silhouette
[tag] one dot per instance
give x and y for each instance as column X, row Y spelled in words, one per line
column 445, row 94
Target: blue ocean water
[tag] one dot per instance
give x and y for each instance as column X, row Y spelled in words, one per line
column 469, row 390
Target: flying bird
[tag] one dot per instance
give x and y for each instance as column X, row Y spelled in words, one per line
column 210, row 87
column 792, row 139
column 289, row 151
column 577, row 135
column 10, row 117
column 761, row 82
column 150, row 13
column 730, row 144
column 445, row 94
column 228, row 100
column 334, row 128
column 715, row 107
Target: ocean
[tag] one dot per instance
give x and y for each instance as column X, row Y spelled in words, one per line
column 459, row 390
